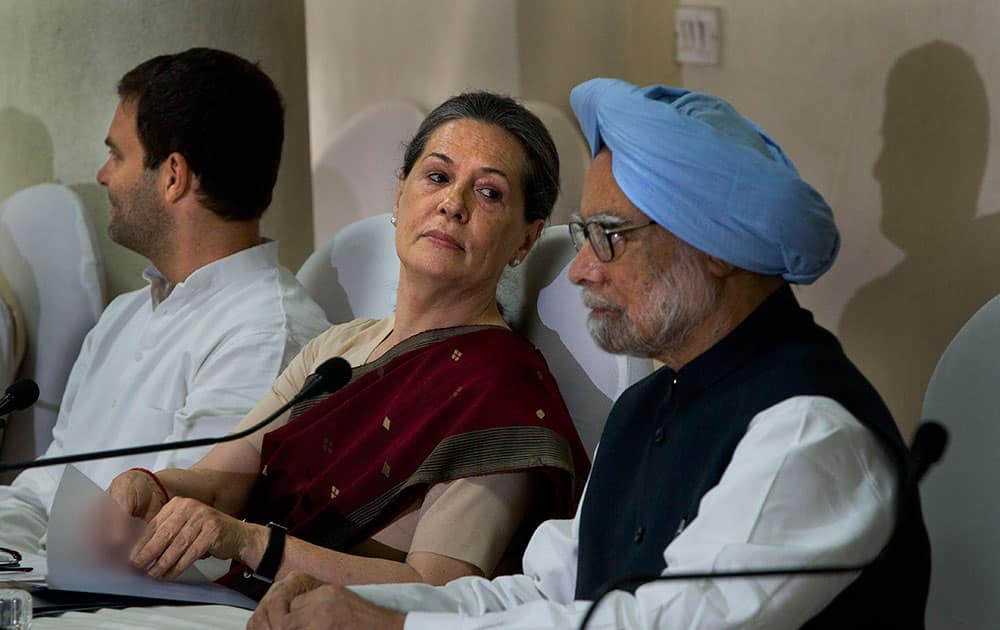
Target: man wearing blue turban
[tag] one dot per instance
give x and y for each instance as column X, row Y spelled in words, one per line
column 757, row 445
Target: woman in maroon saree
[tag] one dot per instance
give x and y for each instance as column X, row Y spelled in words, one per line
column 451, row 440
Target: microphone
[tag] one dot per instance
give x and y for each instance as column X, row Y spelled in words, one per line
column 330, row 376
column 928, row 445
column 19, row 395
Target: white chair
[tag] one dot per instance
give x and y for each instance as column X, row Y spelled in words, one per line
column 49, row 253
column 574, row 157
column 355, row 177
column 355, row 275
column 960, row 501
column 542, row 304
column 356, row 272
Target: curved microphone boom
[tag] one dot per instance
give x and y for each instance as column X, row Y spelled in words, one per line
column 928, row 446
column 330, row 376
column 18, row 396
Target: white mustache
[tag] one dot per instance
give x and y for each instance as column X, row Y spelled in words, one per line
column 592, row 301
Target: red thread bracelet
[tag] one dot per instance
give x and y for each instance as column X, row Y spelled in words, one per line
column 159, row 484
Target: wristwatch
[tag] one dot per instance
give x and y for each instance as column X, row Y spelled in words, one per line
column 271, row 560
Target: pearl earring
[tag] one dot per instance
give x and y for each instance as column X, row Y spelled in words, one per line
column 392, row 219
column 515, row 262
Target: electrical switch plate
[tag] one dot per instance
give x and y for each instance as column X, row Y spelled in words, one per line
column 697, row 31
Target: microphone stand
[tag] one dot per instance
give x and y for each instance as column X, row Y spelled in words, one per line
column 330, row 376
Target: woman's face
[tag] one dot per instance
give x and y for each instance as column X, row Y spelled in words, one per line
column 460, row 211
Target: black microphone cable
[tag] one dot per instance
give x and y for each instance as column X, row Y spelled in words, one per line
column 330, row 376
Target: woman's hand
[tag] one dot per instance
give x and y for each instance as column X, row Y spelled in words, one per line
column 138, row 494
column 185, row 530
column 300, row 601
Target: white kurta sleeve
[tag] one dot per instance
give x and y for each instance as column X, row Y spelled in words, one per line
column 229, row 383
column 807, row 485
column 37, row 486
column 25, row 503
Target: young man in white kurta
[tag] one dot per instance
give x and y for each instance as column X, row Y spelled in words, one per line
column 168, row 363
column 193, row 153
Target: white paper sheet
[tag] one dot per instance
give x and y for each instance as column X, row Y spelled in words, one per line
column 79, row 561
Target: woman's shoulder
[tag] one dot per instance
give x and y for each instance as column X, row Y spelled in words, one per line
column 503, row 349
column 342, row 339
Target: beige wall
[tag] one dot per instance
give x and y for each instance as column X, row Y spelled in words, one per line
column 364, row 51
column 885, row 108
column 62, row 58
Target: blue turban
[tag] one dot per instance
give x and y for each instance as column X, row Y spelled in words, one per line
column 710, row 176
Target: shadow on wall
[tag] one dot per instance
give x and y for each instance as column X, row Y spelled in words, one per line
column 26, row 159
column 27, row 155
column 935, row 135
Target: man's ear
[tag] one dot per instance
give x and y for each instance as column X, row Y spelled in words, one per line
column 176, row 178
column 719, row 268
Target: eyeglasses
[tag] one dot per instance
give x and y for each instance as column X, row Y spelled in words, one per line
column 601, row 238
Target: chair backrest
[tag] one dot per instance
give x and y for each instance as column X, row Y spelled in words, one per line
column 49, row 252
column 574, row 157
column 356, row 272
column 961, row 505
column 542, row 304
column 355, row 176
column 355, row 275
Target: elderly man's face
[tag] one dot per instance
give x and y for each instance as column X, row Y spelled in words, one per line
column 654, row 292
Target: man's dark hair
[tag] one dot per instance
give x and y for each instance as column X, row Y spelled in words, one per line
column 541, row 173
column 222, row 113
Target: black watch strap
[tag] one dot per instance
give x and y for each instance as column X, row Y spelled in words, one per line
column 271, row 560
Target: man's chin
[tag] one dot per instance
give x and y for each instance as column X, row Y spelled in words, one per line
column 602, row 332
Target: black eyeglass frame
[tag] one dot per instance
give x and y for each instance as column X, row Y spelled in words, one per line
column 600, row 236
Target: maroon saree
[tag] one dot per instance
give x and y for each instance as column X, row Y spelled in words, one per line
column 440, row 406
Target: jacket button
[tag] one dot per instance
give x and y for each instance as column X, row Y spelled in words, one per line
column 658, row 435
column 639, row 533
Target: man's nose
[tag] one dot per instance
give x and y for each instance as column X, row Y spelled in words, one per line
column 586, row 268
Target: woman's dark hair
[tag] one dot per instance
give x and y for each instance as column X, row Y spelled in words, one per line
column 222, row 113
column 541, row 174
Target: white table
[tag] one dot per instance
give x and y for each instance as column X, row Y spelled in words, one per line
column 152, row 618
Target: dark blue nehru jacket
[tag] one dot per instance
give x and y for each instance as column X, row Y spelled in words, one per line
column 669, row 438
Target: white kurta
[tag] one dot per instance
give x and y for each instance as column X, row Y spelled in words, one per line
column 807, row 485
column 171, row 363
